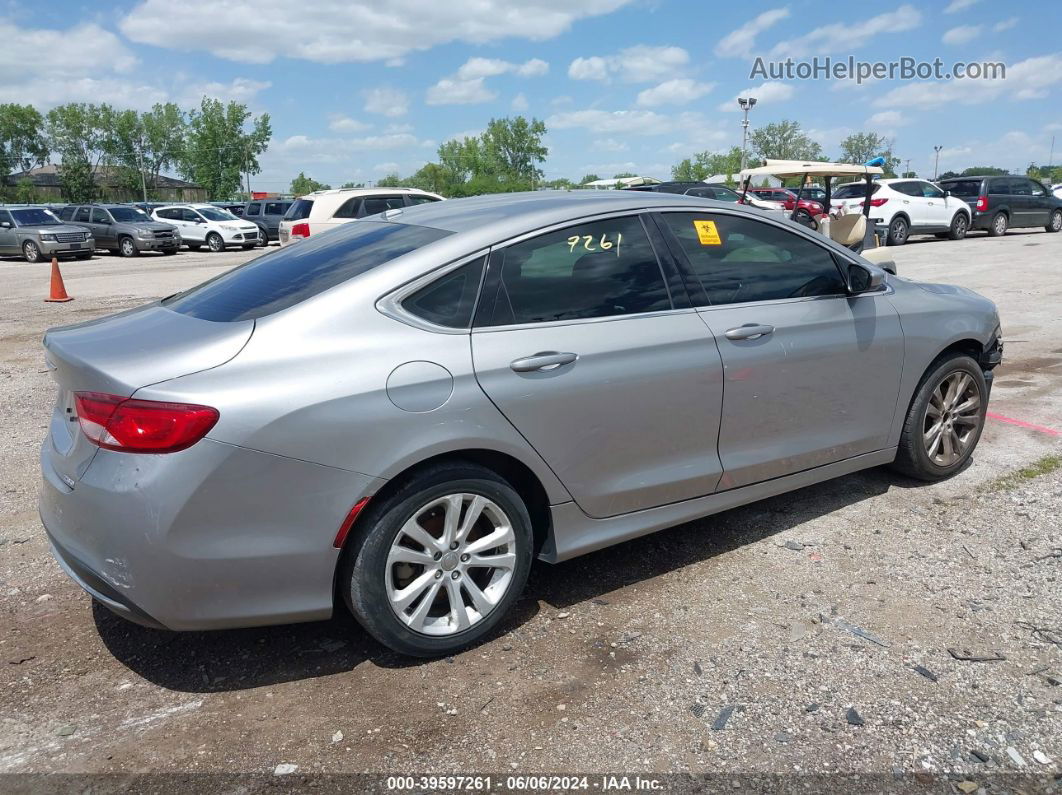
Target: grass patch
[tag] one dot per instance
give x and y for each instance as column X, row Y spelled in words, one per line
column 1038, row 468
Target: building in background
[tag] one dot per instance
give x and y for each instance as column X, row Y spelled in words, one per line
column 46, row 183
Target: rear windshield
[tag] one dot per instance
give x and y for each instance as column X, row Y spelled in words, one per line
column 299, row 209
column 963, row 187
column 854, row 190
column 292, row 274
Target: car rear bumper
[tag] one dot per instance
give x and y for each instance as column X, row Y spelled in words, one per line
column 213, row 537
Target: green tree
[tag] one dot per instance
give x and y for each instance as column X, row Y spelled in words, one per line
column 142, row 145
column 513, row 147
column 860, row 147
column 784, row 140
column 708, row 164
column 433, row 177
column 220, row 147
column 1050, row 174
column 23, row 144
column 987, row 171
column 353, row 185
column 589, row 178
column 303, row 184
column 79, row 134
column 623, row 175
column 561, row 183
column 390, row 181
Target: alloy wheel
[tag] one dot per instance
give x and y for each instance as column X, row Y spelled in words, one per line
column 128, row 249
column 952, row 418
column 899, row 230
column 450, row 564
column 960, row 227
column 1001, row 224
column 215, row 243
column 1056, row 221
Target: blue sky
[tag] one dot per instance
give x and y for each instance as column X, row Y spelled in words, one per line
column 359, row 89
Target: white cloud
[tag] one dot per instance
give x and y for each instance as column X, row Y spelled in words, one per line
column 625, row 122
column 1032, row 78
column 638, row 64
column 386, row 102
column 674, row 92
column 240, row 89
column 536, row 67
column 327, row 149
column 738, row 43
column 888, row 119
column 340, row 123
column 955, row 6
column 519, row 103
column 609, row 145
column 846, row 37
column 452, row 91
column 389, row 167
column 337, row 31
column 489, row 67
column 1005, row 24
column 769, row 92
column 963, row 34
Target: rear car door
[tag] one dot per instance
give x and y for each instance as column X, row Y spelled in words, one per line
column 577, row 343
column 811, row 375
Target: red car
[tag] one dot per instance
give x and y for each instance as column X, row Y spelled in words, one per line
column 786, row 199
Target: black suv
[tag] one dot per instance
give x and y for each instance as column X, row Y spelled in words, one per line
column 999, row 203
column 267, row 213
column 123, row 228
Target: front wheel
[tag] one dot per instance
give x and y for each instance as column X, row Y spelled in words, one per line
column 1055, row 224
column 263, row 237
column 897, row 232
column 215, row 242
column 440, row 562
column 959, row 226
column 945, row 419
column 31, row 251
column 127, row 248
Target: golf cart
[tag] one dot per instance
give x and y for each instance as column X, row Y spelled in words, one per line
column 854, row 230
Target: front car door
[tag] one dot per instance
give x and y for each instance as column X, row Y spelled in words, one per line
column 195, row 225
column 8, row 238
column 102, row 227
column 577, row 343
column 914, row 204
column 1040, row 204
column 811, row 374
column 938, row 209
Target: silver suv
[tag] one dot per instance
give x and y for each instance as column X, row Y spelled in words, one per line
column 405, row 412
column 37, row 234
column 123, row 228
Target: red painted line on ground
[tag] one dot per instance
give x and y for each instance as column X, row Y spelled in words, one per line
column 1023, row 424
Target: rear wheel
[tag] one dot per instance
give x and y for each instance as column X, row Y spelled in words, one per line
column 999, row 225
column 193, row 246
column 215, row 243
column 960, row 224
column 898, row 231
column 263, row 237
column 439, row 563
column 127, row 248
column 1055, row 224
column 169, row 251
column 83, row 256
column 945, row 419
column 31, row 251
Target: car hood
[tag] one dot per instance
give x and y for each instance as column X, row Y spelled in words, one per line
column 153, row 226
column 51, row 229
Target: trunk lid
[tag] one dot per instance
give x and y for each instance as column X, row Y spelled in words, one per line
column 118, row 355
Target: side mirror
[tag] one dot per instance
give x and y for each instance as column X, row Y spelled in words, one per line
column 5, row 224
column 947, row 193
column 861, row 280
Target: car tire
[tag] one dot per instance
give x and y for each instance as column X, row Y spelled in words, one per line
column 940, row 235
column 193, row 246
column 169, row 251
column 372, row 580
column 263, row 237
column 215, row 242
column 999, row 225
column 248, row 248
column 961, row 419
column 898, row 230
column 127, row 247
column 83, row 256
column 31, row 251
column 1055, row 224
column 960, row 225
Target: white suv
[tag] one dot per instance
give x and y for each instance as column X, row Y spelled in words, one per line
column 906, row 207
column 205, row 224
column 323, row 209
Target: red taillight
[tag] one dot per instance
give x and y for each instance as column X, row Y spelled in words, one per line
column 300, row 230
column 982, row 203
column 114, row 422
column 876, row 202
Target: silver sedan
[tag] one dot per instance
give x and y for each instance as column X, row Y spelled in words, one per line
column 404, row 412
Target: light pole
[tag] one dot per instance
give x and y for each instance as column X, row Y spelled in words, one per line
column 746, row 104
column 936, row 161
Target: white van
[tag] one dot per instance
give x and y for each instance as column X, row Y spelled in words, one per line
column 324, row 209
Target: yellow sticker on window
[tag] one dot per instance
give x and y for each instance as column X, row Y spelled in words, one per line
column 707, row 234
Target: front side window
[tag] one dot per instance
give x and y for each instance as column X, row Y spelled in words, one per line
column 595, row 269
column 292, row 274
column 738, row 259
column 252, row 209
column 99, row 216
column 450, row 299
column 190, row 215
column 82, row 215
column 931, row 191
column 1036, row 188
column 129, row 215
column 5, row 218
column 67, row 213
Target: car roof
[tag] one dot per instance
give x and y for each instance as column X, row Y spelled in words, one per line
column 982, row 176
column 360, row 192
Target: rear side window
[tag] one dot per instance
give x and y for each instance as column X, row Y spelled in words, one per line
column 275, row 208
column 998, row 187
column 67, row 213
column 349, row 208
column 422, row 199
column 292, row 274
column 449, row 300
column 299, row 210
column 855, row 190
column 82, row 215
column 378, row 204
column 590, row 270
column 252, row 209
column 739, row 259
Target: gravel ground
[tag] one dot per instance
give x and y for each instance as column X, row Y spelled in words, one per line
column 826, row 631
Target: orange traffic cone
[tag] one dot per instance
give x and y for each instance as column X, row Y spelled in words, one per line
column 58, row 291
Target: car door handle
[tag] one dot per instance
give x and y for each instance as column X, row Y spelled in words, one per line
column 750, row 331
column 544, row 360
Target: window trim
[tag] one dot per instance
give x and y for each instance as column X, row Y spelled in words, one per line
column 689, row 273
column 391, row 303
column 490, row 276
